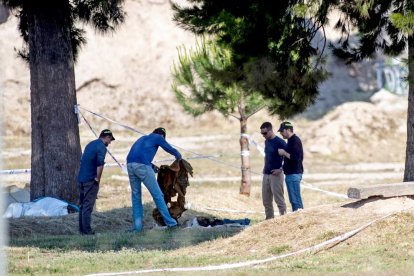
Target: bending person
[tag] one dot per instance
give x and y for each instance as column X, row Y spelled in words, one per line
column 140, row 171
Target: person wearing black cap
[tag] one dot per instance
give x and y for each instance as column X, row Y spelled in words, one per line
column 89, row 177
column 140, row 170
column 272, row 183
column 293, row 164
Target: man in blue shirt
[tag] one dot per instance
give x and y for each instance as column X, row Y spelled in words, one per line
column 293, row 164
column 272, row 184
column 89, row 177
column 140, row 171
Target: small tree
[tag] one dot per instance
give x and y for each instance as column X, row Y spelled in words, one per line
column 271, row 57
column 386, row 26
column 205, row 80
column 53, row 42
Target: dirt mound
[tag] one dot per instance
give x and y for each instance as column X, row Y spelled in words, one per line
column 302, row 229
column 356, row 128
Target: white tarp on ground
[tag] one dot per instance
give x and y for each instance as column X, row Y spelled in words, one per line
column 47, row 206
column 15, row 194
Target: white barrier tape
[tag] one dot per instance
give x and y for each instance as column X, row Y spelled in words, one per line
column 258, row 147
column 140, row 132
column 123, row 165
column 308, row 186
column 123, row 168
column 17, row 171
column 113, row 121
column 317, row 247
column 245, row 153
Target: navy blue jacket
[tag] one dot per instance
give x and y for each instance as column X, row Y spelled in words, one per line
column 93, row 157
column 294, row 164
column 145, row 148
column 272, row 158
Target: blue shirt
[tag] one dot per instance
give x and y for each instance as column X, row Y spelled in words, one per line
column 93, row 157
column 294, row 164
column 145, row 148
column 272, row 158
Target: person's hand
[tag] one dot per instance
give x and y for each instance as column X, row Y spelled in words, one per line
column 276, row 171
column 155, row 168
column 281, row 152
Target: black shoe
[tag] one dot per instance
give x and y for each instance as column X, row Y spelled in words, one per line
column 88, row 233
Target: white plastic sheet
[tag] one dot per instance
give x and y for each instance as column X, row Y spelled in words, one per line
column 44, row 207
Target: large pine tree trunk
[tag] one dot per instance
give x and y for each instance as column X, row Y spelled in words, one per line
column 409, row 155
column 55, row 134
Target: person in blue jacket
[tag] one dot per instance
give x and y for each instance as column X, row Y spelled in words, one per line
column 89, row 177
column 140, row 171
column 293, row 164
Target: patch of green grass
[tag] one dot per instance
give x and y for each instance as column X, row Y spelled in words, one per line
column 146, row 240
column 327, row 236
column 276, row 250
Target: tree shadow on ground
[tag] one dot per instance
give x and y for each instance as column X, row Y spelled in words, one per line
column 362, row 202
column 111, row 227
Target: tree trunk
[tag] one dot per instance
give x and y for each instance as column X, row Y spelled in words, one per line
column 55, row 135
column 245, row 154
column 409, row 155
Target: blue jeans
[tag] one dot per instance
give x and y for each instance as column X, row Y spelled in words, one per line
column 293, row 187
column 139, row 173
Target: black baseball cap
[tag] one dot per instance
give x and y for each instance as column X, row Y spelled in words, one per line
column 107, row 132
column 285, row 125
column 161, row 131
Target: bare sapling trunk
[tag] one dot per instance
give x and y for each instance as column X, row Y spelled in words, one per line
column 409, row 155
column 245, row 154
column 55, row 134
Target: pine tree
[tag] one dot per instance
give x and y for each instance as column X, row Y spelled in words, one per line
column 206, row 79
column 382, row 25
column 269, row 53
column 52, row 44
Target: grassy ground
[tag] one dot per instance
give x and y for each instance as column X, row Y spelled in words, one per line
column 45, row 246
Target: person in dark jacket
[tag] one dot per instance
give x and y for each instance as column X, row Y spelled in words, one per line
column 293, row 164
column 272, row 183
column 140, row 170
column 89, row 177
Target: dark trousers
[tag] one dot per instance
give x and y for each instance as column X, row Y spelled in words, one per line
column 87, row 196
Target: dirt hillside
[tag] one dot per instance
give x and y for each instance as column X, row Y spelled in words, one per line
column 126, row 75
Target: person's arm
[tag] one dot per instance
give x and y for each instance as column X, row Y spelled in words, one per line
column 100, row 159
column 282, row 150
column 99, row 171
column 280, row 145
column 168, row 148
column 294, row 152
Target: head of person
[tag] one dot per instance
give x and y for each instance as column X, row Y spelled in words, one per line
column 160, row 131
column 106, row 136
column 286, row 129
column 266, row 129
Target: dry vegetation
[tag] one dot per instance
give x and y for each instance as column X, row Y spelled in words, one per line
column 324, row 217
